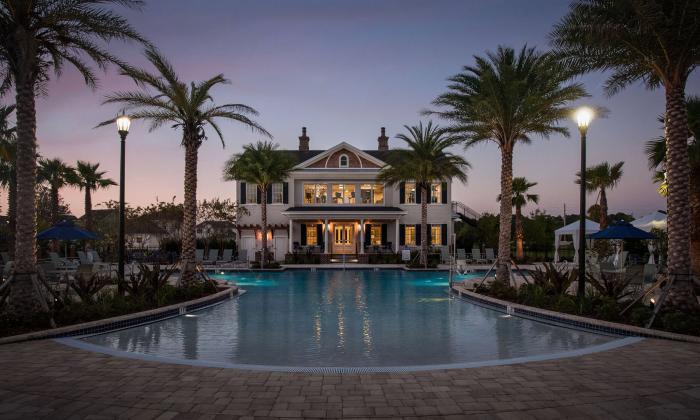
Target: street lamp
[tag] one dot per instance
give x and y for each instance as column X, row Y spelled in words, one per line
column 123, row 123
column 583, row 119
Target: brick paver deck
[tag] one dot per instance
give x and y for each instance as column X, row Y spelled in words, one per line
column 650, row 379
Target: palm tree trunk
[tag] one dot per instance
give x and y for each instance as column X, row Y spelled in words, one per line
column 189, row 219
column 12, row 212
column 677, row 172
column 424, row 226
column 23, row 296
column 503, row 266
column 88, row 209
column 519, row 234
column 263, row 214
column 695, row 222
column 603, row 209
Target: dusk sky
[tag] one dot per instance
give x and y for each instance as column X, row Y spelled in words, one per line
column 342, row 69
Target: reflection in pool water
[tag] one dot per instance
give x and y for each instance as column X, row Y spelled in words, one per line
column 346, row 318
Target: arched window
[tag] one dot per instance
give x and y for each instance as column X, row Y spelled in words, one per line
column 343, row 161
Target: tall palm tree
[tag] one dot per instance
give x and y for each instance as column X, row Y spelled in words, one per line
column 521, row 186
column 40, row 38
column 656, row 153
column 163, row 98
column 601, row 178
column 656, row 42
column 8, row 176
column 56, row 174
column 507, row 97
column 261, row 164
column 90, row 179
column 426, row 160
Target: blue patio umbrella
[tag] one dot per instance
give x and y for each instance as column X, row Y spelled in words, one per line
column 621, row 230
column 65, row 230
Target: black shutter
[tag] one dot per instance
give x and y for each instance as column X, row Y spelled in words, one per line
column 269, row 194
column 368, row 234
column 443, row 234
column 418, row 235
column 241, row 196
column 319, row 234
column 402, row 235
column 430, row 234
column 419, row 195
column 444, row 193
column 402, row 192
column 385, row 233
column 303, row 234
column 285, row 192
column 258, row 194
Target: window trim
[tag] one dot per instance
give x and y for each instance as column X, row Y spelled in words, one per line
column 406, row 229
column 281, row 193
column 316, row 186
column 432, row 235
column 340, row 161
column 248, row 187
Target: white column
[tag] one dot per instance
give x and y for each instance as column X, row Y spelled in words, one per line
column 396, row 242
column 291, row 243
column 362, row 236
column 325, row 236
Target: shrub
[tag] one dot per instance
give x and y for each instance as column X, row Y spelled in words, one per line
column 268, row 265
column 680, row 322
column 553, row 279
column 639, row 315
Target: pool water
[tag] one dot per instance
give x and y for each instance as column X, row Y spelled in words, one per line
column 348, row 318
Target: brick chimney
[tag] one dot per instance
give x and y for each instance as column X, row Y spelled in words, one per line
column 383, row 141
column 304, row 140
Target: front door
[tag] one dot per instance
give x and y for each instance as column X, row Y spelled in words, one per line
column 344, row 238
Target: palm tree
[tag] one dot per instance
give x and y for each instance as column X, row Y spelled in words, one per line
column 656, row 153
column 8, row 178
column 425, row 161
column 520, row 199
column 56, row 174
column 261, row 164
column 90, row 179
column 40, row 38
column 506, row 98
column 601, row 178
column 165, row 98
column 656, row 42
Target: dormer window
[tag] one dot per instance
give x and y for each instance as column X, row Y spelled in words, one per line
column 343, row 161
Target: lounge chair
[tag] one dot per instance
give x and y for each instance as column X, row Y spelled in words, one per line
column 199, row 256
column 226, row 256
column 444, row 254
column 242, row 257
column 213, row 257
column 476, row 256
column 490, row 257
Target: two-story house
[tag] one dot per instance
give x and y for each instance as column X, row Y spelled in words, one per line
column 332, row 204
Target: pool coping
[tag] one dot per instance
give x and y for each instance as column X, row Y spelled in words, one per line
column 567, row 320
column 128, row 320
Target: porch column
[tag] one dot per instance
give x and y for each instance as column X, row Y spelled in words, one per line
column 396, row 242
column 291, row 243
column 362, row 236
column 325, row 237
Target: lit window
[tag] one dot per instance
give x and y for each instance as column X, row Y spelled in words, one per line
column 251, row 193
column 436, row 193
column 375, row 235
column 409, row 235
column 315, row 193
column 311, row 235
column 435, row 235
column 343, row 161
column 343, row 193
column 277, row 193
column 372, row 193
column 410, row 192
column 378, row 193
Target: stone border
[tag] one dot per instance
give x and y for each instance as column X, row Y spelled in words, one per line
column 567, row 320
column 127, row 321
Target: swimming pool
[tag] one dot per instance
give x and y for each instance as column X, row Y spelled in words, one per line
column 347, row 319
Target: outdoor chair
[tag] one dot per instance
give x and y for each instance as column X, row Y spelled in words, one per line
column 82, row 256
column 213, row 257
column 650, row 271
column 461, row 254
column 241, row 257
column 490, row 257
column 622, row 259
column 227, row 256
column 5, row 257
column 59, row 261
column 444, row 254
column 199, row 255
column 95, row 257
column 476, row 256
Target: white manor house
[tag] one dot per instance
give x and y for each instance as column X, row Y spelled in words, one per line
column 331, row 204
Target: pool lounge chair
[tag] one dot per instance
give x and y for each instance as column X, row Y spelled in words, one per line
column 476, row 256
column 199, row 256
column 490, row 257
column 242, row 257
column 444, row 255
column 213, row 257
column 226, row 256
column 461, row 255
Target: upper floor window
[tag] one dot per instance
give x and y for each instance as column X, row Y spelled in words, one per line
column 435, row 235
column 343, row 161
column 277, row 193
column 315, row 193
column 372, row 193
column 436, row 193
column 251, row 193
column 410, row 192
column 343, row 193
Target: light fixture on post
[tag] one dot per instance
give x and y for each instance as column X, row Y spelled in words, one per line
column 123, row 124
column 583, row 116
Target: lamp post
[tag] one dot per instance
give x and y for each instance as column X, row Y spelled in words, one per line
column 123, row 123
column 583, row 119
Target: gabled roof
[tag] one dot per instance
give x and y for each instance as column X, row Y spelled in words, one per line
column 342, row 145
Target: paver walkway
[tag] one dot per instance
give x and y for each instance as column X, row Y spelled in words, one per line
column 650, row 379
